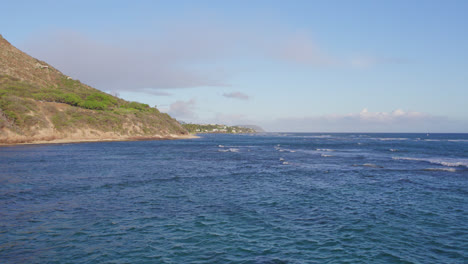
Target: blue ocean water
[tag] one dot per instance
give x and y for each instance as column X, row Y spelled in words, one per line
column 264, row 198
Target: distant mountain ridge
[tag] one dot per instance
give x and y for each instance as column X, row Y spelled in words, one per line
column 38, row 103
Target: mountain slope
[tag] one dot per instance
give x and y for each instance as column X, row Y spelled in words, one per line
column 38, row 103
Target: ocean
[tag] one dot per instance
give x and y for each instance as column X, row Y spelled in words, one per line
column 260, row 198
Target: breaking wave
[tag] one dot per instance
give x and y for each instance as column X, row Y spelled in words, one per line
column 441, row 169
column 444, row 162
column 389, row 139
column 229, row 150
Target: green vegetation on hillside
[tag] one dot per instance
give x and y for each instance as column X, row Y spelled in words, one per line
column 24, row 108
column 70, row 92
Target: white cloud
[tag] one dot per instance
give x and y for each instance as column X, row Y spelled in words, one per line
column 138, row 66
column 183, row 109
column 179, row 55
column 396, row 115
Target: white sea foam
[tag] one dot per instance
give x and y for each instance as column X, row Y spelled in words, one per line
column 220, row 146
column 458, row 140
column 389, row 139
column 281, row 159
column 448, row 162
column 285, row 163
column 321, row 136
column 325, row 149
column 284, row 150
column 229, row 150
column 441, row 169
column 393, row 150
column 324, row 155
column 314, row 136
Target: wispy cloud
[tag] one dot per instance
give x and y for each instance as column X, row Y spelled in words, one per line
column 237, row 95
column 124, row 66
column 183, row 109
column 182, row 55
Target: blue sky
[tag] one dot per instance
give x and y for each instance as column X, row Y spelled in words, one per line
column 318, row 66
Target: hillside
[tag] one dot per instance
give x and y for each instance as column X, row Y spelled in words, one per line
column 40, row 104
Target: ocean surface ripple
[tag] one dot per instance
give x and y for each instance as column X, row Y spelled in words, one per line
column 263, row 198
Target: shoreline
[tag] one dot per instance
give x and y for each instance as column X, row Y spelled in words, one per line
column 103, row 139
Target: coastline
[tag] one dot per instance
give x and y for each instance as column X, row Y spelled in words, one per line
column 53, row 140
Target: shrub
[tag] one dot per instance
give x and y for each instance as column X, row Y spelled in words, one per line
column 136, row 106
column 72, row 99
column 89, row 104
column 102, row 97
column 49, row 96
column 98, row 101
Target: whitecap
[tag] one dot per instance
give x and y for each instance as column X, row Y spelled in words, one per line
column 325, row 149
column 449, row 162
column 441, row 169
column 284, row 150
column 324, row 155
column 320, row 136
column 393, row 150
column 229, row 150
column 389, row 139
column 315, row 136
column 220, row 146
column 285, row 163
